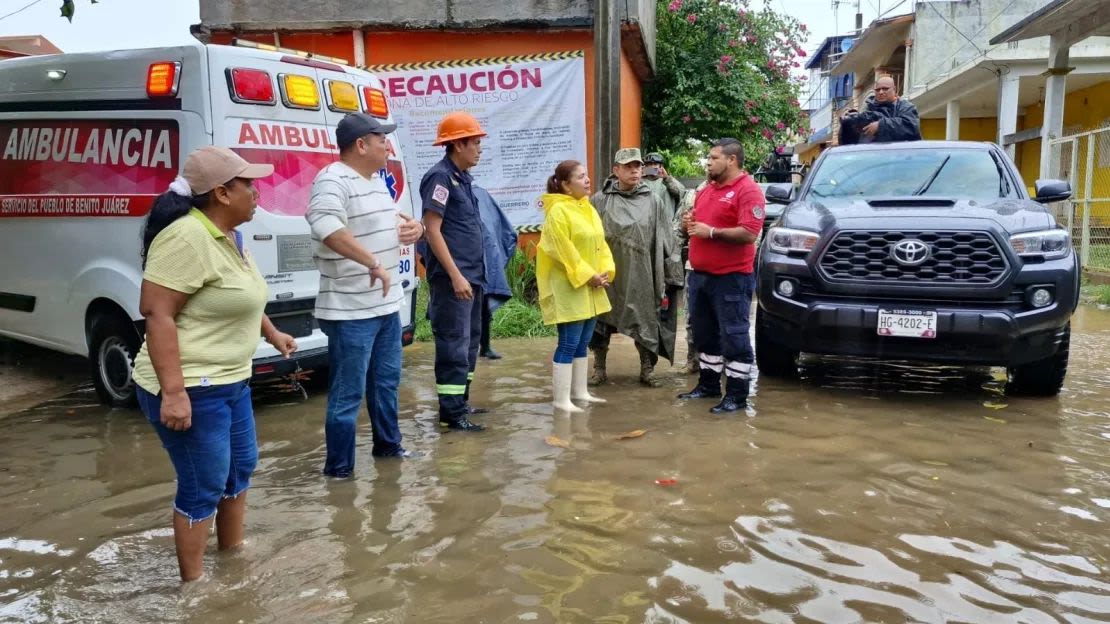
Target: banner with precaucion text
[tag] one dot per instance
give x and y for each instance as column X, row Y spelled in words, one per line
column 533, row 107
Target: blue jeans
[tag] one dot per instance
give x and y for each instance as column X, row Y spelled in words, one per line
column 215, row 457
column 574, row 339
column 365, row 360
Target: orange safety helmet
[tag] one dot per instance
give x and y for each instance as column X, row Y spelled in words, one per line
column 458, row 125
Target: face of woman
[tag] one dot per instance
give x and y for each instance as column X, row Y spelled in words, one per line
column 578, row 186
column 239, row 198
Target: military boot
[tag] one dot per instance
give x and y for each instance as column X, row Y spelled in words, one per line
column 599, row 376
column 692, row 365
column 648, row 360
column 709, row 386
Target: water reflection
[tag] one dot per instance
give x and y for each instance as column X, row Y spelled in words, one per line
column 863, row 492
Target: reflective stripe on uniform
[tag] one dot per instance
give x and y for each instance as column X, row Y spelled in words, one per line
column 738, row 370
column 714, row 363
column 470, row 376
column 450, row 389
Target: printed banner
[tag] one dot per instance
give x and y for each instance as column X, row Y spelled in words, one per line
column 533, row 107
column 105, row 168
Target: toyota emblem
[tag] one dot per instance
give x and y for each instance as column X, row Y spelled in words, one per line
column 910, row 252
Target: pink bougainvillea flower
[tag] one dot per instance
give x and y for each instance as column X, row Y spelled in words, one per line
column 780, row 126
column 754, row 119
column 767, row 134
column 726, row 58
column 732, row 43
column 692, row 18
column 685, row 119
column 674, row 6
column 750, row 104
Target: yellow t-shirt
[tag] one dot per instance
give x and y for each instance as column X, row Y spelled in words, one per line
column 220, row 325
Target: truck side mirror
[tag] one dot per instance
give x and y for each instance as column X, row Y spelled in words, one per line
column 781, row 194
column 1049, row 191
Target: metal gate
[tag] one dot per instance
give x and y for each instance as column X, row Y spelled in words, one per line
column 1084, row 160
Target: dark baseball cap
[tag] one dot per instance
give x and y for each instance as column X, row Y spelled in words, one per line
column 654, row 158
column 354, row 126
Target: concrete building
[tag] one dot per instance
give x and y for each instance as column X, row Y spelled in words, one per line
column 826, row 94
column 618, row 40
column 968, row 87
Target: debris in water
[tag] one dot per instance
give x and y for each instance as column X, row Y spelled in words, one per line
column 632, row 434
column 666, row 482
column 556, row 441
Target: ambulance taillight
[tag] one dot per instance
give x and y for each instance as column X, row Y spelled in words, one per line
column 342, row 96
column 375, row 102
column 162, row 79
column 250, row 86
column 299, row 91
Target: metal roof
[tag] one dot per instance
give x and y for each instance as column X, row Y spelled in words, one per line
column 1075, row 19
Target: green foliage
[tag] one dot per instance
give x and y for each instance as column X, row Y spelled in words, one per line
column 685, row 162
column 1097, row 294
column 68, row 8
column 520, row 317
column 723, row 69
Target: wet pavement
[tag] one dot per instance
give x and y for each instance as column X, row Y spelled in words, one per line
column 860, row 493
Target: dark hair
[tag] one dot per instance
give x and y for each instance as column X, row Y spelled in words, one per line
column 731, row 147
column 562, row 174
column 168, row 207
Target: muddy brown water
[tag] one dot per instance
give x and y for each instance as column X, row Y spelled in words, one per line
column 860, row 493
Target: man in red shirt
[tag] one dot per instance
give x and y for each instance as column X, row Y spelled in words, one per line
column 723, row 226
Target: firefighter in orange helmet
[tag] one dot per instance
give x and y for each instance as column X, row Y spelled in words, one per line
column 454, row 258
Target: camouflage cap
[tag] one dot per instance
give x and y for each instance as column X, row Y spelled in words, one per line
column 628, row 155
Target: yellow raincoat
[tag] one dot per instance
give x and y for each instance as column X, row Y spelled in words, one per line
column 572, row 250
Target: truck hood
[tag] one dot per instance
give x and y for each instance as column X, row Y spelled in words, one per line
column 1010, row 215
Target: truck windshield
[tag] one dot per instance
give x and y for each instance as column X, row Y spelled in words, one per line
column 893, row 172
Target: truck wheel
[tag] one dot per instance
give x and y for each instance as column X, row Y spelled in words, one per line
column 1043, row 377
column 113, row 345
column 773, row 358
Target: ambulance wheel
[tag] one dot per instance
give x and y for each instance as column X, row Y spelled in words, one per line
column 113, row 345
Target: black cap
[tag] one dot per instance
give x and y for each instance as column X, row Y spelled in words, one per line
column 654, row 158
column 354, row 126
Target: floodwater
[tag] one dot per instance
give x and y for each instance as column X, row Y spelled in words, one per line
column 860, row 493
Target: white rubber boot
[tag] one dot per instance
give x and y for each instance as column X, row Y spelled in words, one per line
column 560, row 383
column 579, row 388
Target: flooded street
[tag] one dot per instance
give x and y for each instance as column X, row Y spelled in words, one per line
column 859, row 493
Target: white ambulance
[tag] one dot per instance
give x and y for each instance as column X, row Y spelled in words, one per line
column 87, row 141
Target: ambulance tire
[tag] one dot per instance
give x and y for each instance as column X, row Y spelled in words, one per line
column 772, row 358
column 113, row 344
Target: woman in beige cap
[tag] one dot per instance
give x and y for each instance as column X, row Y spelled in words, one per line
column 203, row 299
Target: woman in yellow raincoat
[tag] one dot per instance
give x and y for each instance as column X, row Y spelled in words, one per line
column 573, row 268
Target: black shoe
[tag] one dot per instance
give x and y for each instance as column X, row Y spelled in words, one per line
column 490, row 354
column 400, row 454
column 700, row 392
column 338, row 474
column 478, row 411
column 462, row 424
column 729, row 404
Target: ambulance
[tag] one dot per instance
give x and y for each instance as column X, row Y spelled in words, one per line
column 87, row 141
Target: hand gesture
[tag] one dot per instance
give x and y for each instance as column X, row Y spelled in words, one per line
column 871, row 129
column 379, row 273
column 462, row 288
column 283, row 342
column 698, row 229
column 601, row 280
column 177, row 410
column 409, row 230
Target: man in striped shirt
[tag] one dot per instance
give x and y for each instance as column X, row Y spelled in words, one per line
column 357, row 233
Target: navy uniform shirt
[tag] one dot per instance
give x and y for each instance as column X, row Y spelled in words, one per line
column 445, row 190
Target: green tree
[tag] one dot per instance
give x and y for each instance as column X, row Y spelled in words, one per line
column 722, row 70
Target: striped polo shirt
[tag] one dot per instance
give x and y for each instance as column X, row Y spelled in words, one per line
column 342, row 198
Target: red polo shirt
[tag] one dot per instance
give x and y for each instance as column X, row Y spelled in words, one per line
column 739, row 203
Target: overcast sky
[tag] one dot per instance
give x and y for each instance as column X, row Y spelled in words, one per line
column 113, row 24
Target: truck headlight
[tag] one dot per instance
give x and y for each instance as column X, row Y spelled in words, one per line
column 1047, row 244
column 785, row 240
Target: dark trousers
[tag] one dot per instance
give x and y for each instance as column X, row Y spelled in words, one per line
column 457, row 328
column 487, row 319
column 720, row 306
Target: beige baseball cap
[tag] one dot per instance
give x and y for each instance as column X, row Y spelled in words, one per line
column 628, row 155
column 211, row 166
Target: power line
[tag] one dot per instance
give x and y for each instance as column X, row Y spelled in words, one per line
column 932, row 6
column 20, row 10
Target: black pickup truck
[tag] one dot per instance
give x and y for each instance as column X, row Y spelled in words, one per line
column 928, row 251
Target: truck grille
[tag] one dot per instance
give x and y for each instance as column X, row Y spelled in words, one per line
column 970, row 258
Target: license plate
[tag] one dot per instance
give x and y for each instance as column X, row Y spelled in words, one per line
column 908, row 323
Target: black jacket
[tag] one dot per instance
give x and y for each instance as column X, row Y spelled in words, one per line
column 898, row 121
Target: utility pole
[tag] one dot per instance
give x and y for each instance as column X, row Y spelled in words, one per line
column 607, row 85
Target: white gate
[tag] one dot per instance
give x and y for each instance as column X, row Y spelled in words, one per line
column 1084, row 160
